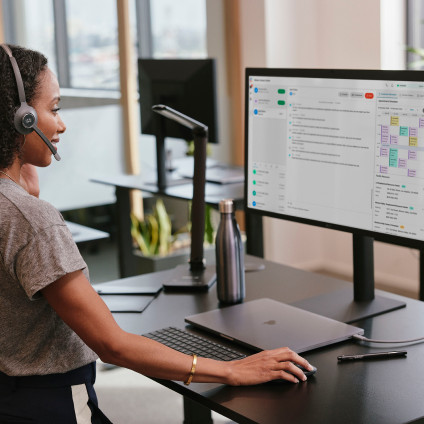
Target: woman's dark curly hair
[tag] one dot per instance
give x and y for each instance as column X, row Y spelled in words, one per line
column 31, row 64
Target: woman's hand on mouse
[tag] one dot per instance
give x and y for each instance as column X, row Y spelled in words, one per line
column 268, row 365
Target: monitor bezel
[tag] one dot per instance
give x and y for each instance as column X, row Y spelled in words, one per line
column 361, row 74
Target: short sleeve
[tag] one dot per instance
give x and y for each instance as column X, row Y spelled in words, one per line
column 48, row 255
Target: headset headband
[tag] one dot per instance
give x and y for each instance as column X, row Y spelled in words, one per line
column 18, row 76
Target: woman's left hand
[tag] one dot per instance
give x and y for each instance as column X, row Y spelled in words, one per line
column 29, row 179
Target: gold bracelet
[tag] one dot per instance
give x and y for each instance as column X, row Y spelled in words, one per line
column 192, row 371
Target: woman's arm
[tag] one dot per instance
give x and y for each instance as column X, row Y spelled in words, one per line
column 77, row 303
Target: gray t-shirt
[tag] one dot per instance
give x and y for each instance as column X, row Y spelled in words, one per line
column 36, row 249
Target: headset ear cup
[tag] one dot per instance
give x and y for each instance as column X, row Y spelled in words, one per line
column 25, row 119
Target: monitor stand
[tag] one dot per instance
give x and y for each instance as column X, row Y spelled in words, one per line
column 340, row 304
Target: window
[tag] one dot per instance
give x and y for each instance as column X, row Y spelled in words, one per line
column 92, row 33
column 178, row 28
column 31, row 24
column 80, row 37
column 415, row 34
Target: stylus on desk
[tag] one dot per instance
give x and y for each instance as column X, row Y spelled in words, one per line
column 376, row 355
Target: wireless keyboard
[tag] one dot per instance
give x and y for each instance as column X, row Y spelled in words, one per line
column 190, row 343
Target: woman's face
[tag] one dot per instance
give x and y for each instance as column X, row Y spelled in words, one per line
column 46, row 104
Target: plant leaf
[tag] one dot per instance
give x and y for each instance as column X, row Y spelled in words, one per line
column 154, row 234
column 137, row 235
column 208, row 224
column 164, row 224
column 416, row 50
column 416, row 64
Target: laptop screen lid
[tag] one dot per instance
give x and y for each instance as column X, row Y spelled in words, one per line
column 263, row 324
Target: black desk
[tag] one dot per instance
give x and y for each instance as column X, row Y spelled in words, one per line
column 214, row 193
column 383, row 391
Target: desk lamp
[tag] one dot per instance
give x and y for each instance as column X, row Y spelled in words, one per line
column 198, row 276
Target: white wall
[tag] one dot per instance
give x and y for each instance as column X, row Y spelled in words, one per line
column 92, row 145
column 330, row 34
column 215, row 38
column 393, row 34
column 253, row 54
column 253, row 33
column 323, row 33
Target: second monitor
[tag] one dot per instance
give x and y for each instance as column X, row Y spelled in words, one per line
column 187, row 85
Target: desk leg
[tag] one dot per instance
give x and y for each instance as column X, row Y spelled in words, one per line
column 127, row 260
column 194, row 413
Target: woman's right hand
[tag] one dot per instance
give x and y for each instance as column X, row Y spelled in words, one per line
column 266, row 366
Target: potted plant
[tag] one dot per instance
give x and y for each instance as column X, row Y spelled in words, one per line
column 157, row 248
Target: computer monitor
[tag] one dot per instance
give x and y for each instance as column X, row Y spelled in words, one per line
column 339, row 149
column 186, row 85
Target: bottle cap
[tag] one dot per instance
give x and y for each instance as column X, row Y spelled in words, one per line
column 226, row 206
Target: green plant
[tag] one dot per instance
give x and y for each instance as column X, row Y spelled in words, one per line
column 153, row 236
column 416, row 64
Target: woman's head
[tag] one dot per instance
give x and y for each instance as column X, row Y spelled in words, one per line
column 34, row 71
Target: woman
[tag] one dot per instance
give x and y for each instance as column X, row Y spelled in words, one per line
column 54, row 325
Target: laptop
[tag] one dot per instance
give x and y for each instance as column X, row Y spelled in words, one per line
column 263, row 324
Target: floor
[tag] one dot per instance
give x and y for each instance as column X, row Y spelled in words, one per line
column 125, row 396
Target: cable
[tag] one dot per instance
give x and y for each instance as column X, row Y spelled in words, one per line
column 364, row 339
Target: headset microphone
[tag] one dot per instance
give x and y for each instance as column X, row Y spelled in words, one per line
column 26, row 118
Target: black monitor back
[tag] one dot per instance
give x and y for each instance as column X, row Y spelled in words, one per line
column 187, row 85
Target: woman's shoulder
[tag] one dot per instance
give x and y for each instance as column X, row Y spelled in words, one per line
column 27, row 210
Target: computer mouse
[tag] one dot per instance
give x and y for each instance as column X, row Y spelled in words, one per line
column 307, row 372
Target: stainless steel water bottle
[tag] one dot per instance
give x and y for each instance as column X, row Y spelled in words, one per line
column 229, row 256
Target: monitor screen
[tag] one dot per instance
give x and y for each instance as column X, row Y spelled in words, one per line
column 186, row 85
column 342, row 149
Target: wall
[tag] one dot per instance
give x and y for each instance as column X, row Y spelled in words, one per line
column 66, row 184
column 323, row 33
column 330, row 34
column 216, row 49
column 393, row 34
column 253, row 54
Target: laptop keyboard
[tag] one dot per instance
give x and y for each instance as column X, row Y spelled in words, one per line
column 190, row 343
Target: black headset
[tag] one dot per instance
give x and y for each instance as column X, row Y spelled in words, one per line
column 26, row 118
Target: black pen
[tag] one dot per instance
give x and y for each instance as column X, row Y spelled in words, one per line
column 376, row 355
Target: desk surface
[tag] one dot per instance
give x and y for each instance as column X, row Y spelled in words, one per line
column 82, row 234
column 214, row 193
column 381, row 391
